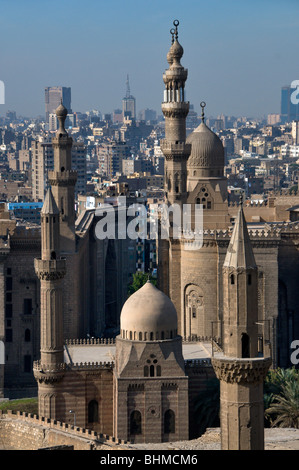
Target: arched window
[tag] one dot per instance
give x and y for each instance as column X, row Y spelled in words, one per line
column 93, row 411
column 169, row 422
column 140, row 336
column 135, row 423
column 158, row 371
column 245, row 345
column 152, row 371
column 27, row 335
column 145, row 370
column 232, row 279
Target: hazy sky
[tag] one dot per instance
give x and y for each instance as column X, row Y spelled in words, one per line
column 238, row 53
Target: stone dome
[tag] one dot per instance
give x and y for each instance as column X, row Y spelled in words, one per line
column 61, row 111
column 207, row 153
column 148, row 315
column 176, row 51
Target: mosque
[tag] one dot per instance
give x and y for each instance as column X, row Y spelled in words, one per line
column 215, row 311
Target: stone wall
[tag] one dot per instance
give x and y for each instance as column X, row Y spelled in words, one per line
column 22, row 431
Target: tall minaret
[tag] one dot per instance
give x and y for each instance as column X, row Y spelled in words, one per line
column 240, row 369
column 50, row 269
column 175, row 110
column 176, row 152
column 63, row 180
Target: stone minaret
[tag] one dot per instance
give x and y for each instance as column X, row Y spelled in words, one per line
column 50, row 269
column 175, row 110
column 240, row 369
column 176, row 152
column 63, row 180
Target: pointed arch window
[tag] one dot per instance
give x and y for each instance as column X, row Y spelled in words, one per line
column 135, row 423
column 27, row 335
column 93, row 411
column 169, row 422
column 245, row 345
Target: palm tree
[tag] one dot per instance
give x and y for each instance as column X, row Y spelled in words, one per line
column 276, row 378
column 285, row 406
column 273, row 387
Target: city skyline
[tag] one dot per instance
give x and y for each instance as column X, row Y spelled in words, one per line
column 238, row 55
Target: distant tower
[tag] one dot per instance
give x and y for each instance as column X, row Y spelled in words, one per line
column 63, row 180
column 241, row 370
column 53, row 97
column 289, row 109
column 50, row 269
column 129, row 103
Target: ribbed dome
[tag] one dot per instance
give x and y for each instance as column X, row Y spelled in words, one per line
column 207, row 152
column 148, row 315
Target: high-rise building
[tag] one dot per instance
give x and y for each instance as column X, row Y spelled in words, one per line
column 111, row 156
column 54, row 95
column 289, row 108
column 129, row 103
column 43, row 161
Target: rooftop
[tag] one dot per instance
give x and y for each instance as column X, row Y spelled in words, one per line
column 84, row 353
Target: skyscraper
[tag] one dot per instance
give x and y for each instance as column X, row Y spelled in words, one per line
column 129, row 103
column 289, row 108
column 53, row 97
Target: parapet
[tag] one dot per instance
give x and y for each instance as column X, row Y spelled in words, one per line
column 89, row 341
column 55, row 425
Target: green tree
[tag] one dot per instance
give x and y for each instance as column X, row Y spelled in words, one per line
column 285, row 406
column 281, row 397
column 139, row 279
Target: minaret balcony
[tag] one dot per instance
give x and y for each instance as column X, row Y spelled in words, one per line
column 175, row 109
column 62, row 178
column 175, row 150
column 50, row 270
column 175, row 74
column 241, row 370
column 48, row 373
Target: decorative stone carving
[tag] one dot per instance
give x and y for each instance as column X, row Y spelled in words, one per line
column 241, row 370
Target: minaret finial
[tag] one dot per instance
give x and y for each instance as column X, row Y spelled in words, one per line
column 61, row 113
column 128, row 92
column 172, row 32
column 203, row 105
column 176, row 23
